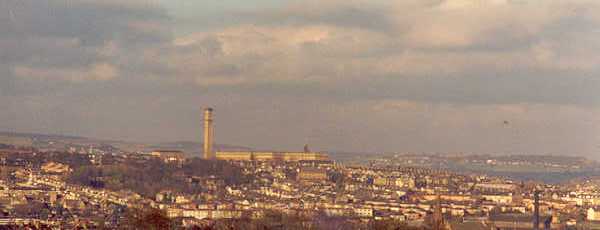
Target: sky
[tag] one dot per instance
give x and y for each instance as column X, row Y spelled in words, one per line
column 471, row 76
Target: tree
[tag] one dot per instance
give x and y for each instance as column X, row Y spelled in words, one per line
column 147, row 219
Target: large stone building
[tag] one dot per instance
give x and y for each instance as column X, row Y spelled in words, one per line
column 270, row 156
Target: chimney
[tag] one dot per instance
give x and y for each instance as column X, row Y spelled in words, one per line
column 536, row 209
column 208, row 134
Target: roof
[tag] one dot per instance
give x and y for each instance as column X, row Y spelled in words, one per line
column 312, row 170
column 512, row 217
column 516, row 218
column 168, row 151
column 469, row 226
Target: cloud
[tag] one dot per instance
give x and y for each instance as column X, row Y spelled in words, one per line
column 446, row 38
column 423, row 71
column 97, row 71
column 335, row 41
column 77, row 41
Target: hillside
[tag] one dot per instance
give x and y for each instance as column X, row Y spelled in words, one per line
column 64, row 142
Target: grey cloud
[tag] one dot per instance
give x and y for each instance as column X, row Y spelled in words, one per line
column 343, row 14
column 481, row 89
column 92, row 22
column 66, row 37
column 517, row 52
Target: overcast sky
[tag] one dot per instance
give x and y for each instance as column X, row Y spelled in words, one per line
column 351, row 75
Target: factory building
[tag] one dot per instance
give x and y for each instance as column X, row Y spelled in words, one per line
column 234, row 156
column 210, row 153
column 270, row 156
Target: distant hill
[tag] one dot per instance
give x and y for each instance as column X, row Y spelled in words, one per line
column 353, row 157
column 38, row 136
column 15, row 140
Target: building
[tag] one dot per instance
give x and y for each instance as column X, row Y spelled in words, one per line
column 498, row 198
column 303, row 156
column 169, row 155
column 55, row 168
column 499, row 187
column 511, row 221
column 312, row 174
column 262, row 156
column 405, row 181
column 402, row 182
column 593, row 214
column 270, row 156
column 234, row 156
column 382, row 181
column 363, row 212
column 468, row 226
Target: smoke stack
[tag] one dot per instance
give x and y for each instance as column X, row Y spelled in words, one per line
column 208, row 134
